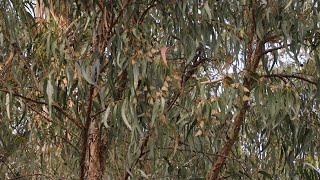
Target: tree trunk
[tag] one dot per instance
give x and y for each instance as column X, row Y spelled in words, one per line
column 92, row 166
column 90, row 162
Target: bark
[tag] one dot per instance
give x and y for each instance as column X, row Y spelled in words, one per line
column 217, row 167
column 89, row 154
column 92, row 164
column 92, row 160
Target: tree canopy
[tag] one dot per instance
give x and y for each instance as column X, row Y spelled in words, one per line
column 159, row 89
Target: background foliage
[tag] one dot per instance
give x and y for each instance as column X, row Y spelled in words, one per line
column 168, row 81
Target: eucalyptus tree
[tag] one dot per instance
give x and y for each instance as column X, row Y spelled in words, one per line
column 159, row 89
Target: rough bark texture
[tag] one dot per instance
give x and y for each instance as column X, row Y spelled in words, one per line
column 92, row 159
column 88, row 142
column 93, row 138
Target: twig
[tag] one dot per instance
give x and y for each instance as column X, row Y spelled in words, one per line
column 152, row 4
column 142, row 147
column 189, row 70
column 290, row 76
column 41, row 114
column 30, row 175
column 212, row 81
column 73, row 119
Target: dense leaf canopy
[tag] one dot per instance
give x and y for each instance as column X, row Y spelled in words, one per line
column 159, row 89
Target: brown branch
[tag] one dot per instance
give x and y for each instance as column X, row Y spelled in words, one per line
column 224, row 152
column 253, row 61
column 30, row 175
column 85, row 133
column 271, row 50
column 114, row 22
column 40, row 114
column 151, row 5
column 290, row 76
column 57, row 107
column 189, row 70
column 142, row 147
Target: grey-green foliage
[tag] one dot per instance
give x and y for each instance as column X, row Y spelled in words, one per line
column 57, row 61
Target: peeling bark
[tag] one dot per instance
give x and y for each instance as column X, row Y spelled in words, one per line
column 92, row 158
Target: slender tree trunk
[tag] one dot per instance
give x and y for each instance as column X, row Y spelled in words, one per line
column 92, row 164
column 254, row 51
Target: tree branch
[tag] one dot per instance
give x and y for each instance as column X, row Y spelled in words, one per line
column 57, row 107
column 253, row 61
column 212, row 81
column 30, row 175
column 85, row 134
column 290, row 76
column 143, row 145
column 189, row 70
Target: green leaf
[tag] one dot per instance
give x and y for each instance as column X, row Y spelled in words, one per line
column 208, row 10
column 48, row 45
column 50, row 91
column 265, row 174
column 312, row 167
column 53, row 49
column 135, row 75
column 124, row 116
column 104, row 119
column 85, row 72
column 8, row 105
column 155, row 111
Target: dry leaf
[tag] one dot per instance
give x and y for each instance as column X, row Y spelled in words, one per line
column 164, row 88
column 235, row 85
column 245, row 98
column 168, row 78
column 165, row 83
column 163, row 119
column 199, row 133
column 246, row 89
column 201, row 124
column 215, row 122
column 163, row 55
column 228, row 62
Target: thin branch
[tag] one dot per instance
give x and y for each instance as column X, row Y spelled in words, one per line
column 290, row 76
column 26, row 61
column 41, row 114
column 271, row 50
column 189, row 70
column 212, row 81
column 143, row 145
column 57, row 107
column 7, row 165
column 152, row 4
column 253, row 54
column 45, row 115
column 68, row 142
column 30, row 175
column 85, row 134
column 114, row 22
